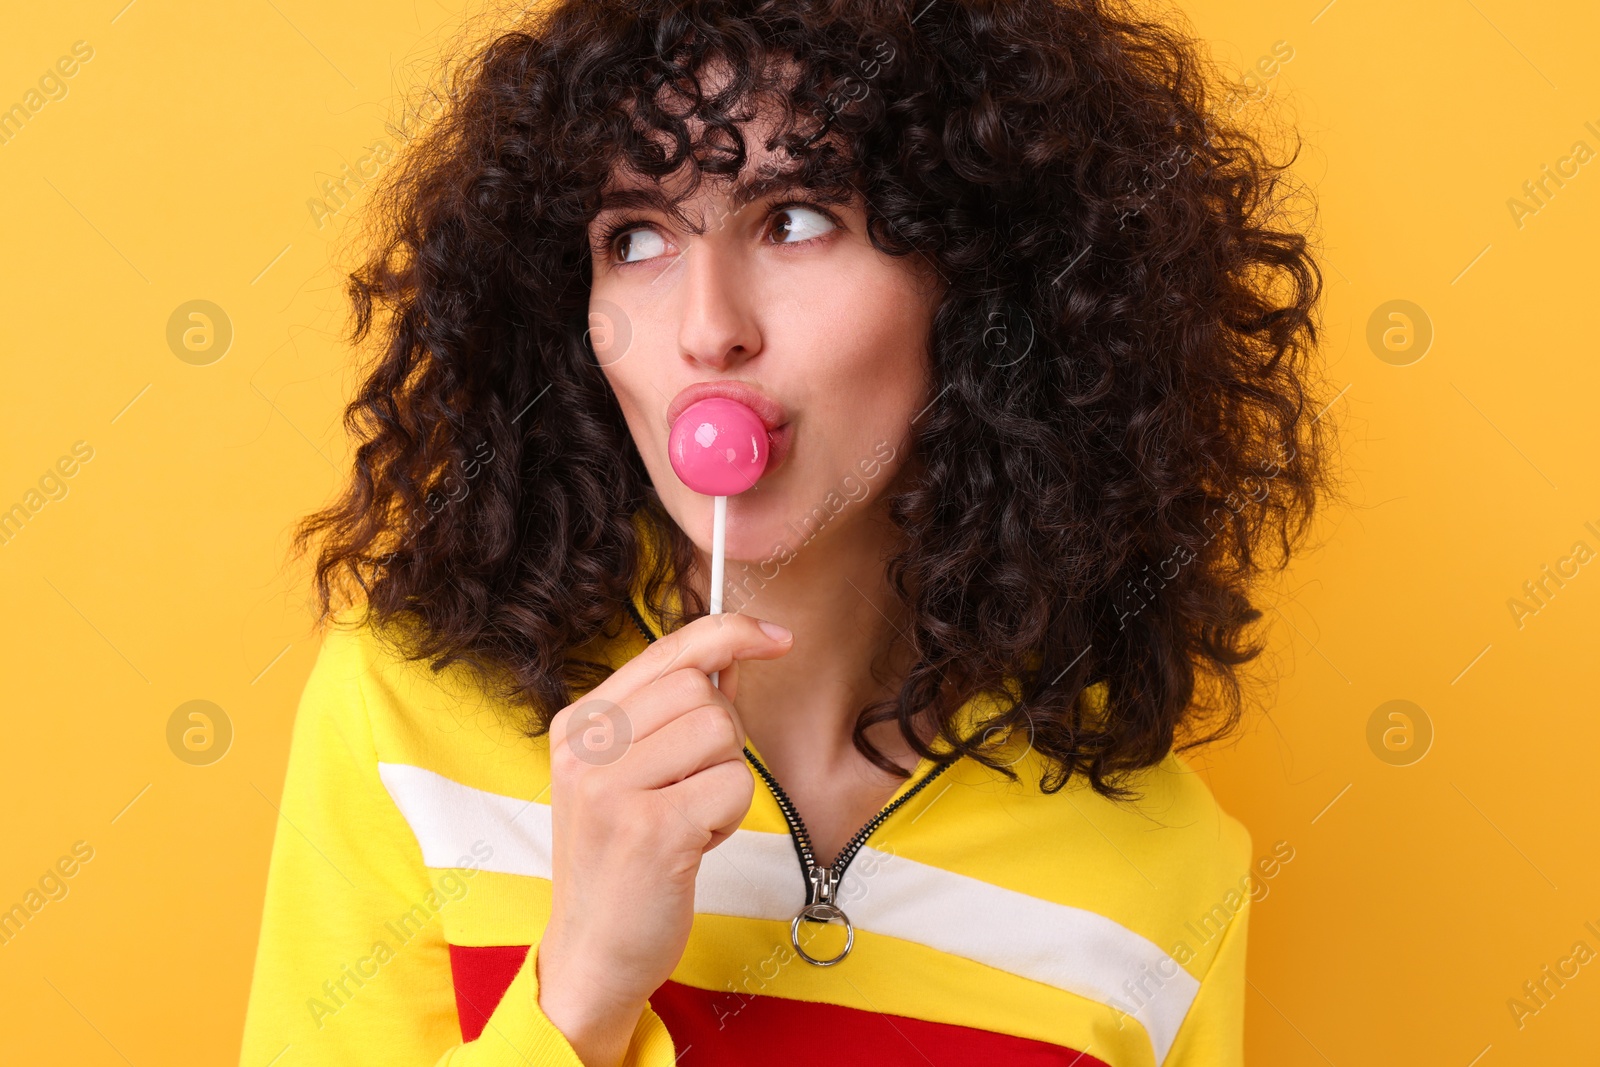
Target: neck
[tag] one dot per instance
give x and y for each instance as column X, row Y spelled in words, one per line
column 799, row 710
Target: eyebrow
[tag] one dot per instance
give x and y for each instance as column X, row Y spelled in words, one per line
column 744, row 192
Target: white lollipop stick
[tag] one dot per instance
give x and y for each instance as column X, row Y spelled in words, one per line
column 719, row 535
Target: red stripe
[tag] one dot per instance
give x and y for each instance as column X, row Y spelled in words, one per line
column 728, row 1029
column 713, row 1028
column 481, row 974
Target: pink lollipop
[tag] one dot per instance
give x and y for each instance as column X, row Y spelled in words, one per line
column 718, row 447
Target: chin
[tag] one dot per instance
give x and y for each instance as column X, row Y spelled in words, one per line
column 760, row 526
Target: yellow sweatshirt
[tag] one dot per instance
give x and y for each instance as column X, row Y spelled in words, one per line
column 410, row 883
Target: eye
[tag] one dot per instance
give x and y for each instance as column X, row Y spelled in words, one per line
column 807, row 222
column 645, row 242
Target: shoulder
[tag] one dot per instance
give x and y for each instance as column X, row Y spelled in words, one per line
column 1177, row 824
column 440, row 721
column 1171, row 866
column 1185, row 862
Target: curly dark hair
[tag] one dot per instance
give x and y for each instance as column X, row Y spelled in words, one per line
column 1125, row 434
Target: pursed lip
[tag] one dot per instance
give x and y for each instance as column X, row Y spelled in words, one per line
column 769, row 411
column 780, row 434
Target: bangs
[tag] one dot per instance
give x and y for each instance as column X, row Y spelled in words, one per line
column 693, row 112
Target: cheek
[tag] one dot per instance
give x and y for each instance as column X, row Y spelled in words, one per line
column 631, row 393
column 870, row 402
column 610, row 332
column 881, row 374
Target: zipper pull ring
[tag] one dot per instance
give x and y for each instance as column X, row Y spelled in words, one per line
column 820, row 907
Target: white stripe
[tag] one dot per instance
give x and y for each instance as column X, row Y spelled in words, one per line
column 756, row 875
column 448, row 818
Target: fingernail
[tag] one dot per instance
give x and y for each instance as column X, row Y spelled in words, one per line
column 774, row 631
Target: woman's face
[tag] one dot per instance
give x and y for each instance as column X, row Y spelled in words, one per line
column 793, row 301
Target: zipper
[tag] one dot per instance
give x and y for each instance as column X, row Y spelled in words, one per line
column 821, row 883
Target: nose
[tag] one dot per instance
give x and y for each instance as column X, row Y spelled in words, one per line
column 718, row 327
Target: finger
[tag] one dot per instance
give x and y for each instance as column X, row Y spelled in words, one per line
column 690, row 743
column 728, row 682
column 683, row 691
column 715, row 800
column 709, row 643
column 600, row 733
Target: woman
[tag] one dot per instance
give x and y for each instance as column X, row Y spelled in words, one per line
column 1000, row 281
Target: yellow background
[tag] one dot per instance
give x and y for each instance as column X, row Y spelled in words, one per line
column 179, row 166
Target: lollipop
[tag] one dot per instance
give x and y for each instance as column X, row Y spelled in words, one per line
column 718, row 447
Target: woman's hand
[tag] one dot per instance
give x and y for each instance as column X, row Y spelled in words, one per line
column 647, row 774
